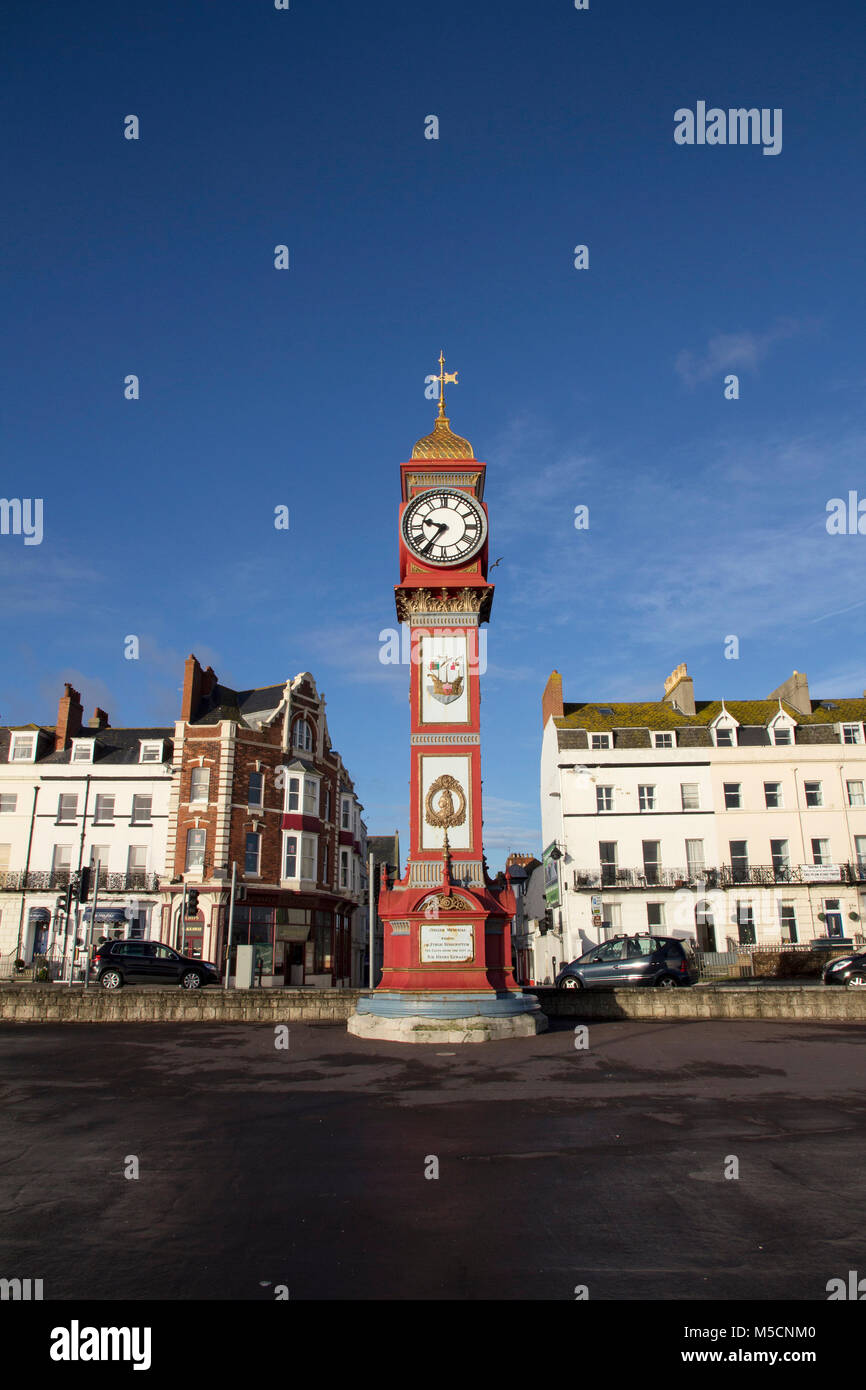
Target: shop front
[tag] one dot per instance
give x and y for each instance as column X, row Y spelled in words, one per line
column 298, row 945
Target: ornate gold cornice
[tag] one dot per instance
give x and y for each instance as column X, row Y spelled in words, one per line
column 444, row 600
column 432, row 480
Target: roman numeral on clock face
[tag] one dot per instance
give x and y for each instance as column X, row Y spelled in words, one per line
column 443, row 527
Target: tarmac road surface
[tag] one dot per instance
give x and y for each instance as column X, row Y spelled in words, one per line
column 557, row 1167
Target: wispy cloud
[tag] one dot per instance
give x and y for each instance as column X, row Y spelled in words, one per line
column 45, row 579
column 723, row 537
column 510, row 826
column 92, row 690
column 353, row 648
column 742, row 351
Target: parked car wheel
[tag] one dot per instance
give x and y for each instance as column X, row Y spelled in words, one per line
column 111, row 979
column 571, row 982
column 856, row 981
column 666, row 982
column 191, row 980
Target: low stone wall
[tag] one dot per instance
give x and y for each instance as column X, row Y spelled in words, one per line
column 817, row 1003
column 74, row 1004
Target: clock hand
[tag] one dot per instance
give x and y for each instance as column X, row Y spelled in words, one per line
column 440, row 527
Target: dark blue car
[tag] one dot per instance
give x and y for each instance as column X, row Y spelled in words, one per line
column 846, row 970
column 119, row 963
column 631, row 960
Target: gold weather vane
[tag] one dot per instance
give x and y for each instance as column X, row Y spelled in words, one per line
column 445, row 378
column 442, row 442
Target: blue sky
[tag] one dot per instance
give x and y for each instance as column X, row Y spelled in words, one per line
column 305, row 387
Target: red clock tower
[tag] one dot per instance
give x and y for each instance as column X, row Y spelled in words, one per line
column 447, row 962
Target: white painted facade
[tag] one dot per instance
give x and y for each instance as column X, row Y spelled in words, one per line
column 56, row 816
column 724, row 845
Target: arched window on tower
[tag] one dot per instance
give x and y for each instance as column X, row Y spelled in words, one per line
column 303, row 736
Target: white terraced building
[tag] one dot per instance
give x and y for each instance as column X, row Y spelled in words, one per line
column 71, row 796
column 730, row 823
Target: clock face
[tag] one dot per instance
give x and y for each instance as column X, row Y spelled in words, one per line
column 443, row 527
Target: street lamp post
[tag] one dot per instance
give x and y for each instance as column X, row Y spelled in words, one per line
column 231, row 921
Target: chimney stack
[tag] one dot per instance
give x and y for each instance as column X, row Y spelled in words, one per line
column 70, row 712
column 551, row 700
column 680, row 690
column 794, row 691
column 197, row 685
column 98, row 720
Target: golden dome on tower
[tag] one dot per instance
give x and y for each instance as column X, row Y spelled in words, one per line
column 443, row 443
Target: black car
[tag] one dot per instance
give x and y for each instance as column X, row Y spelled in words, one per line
column 631, row 960
column 119, row 963
column 846, row 970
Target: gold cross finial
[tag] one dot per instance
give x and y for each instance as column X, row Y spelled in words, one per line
column 444, row 379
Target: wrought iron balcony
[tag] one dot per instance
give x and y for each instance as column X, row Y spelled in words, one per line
column 721, row 876
column 57, row 880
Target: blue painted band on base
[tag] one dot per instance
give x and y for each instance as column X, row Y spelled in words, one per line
column 428, row 1004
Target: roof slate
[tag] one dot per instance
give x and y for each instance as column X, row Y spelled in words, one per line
column 655, row 714
column 111, row 746
column 238, row 705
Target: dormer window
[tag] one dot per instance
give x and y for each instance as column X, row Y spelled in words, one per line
column 151, row 752
column 723, row 729
column 82, row 750
column 663, row 741
column 22, row 748
column 852, row 733
column 599, row 740
column 781, row 728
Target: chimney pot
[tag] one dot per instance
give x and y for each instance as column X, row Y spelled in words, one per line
column 795, row 692
column 680, row 690
column 70, row 713
column 551, row 700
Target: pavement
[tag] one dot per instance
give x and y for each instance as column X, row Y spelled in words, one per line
column 557, row 1167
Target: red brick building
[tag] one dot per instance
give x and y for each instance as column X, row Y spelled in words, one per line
column 258, row 784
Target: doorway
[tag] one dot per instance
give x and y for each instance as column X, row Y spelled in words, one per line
column 294, row 968
column 705, row 927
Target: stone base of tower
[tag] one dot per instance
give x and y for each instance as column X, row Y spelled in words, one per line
column 458, row 1017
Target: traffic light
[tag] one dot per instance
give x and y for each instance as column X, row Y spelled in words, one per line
column 83, row 884
column 192, row 902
